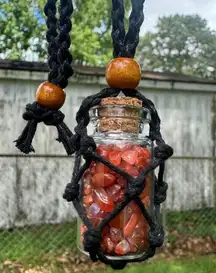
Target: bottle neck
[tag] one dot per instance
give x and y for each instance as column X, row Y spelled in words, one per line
column 118, row 135
column 118, row 121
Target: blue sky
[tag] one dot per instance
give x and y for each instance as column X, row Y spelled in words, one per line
column 155, row 8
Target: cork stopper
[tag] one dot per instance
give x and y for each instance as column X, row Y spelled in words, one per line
column 120, row 114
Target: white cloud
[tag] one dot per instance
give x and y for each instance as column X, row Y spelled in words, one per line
column 155, row 8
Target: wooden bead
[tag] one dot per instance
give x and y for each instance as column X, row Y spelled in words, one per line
column 123, row 73
column 50, row 95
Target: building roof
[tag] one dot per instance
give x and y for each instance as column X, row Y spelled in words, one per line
column 100, row 71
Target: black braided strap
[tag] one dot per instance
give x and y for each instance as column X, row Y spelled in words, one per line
column 86, row 147
column 118, row 29
column 51, row 35
column 59, row 62
column 124, row 45
column 135, row 23
column 64, row 42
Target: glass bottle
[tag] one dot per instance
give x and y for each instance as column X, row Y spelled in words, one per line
column 119, row 132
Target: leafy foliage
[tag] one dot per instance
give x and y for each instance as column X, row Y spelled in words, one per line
column 22, row 28
column 181, row 43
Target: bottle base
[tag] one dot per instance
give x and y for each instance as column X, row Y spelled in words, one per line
column 117, row 258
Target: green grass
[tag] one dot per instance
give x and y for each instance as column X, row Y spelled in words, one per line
column 196, row 265
column 32, row 243
column 193, row 223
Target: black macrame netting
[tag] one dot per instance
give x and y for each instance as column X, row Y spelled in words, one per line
column 84, row 146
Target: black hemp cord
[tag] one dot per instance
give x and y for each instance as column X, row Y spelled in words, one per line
column 118, row 29
column 52, row 33
column 64, row 42
column 124, row 45
column 59, row 62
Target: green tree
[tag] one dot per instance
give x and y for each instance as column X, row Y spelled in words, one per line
column 182, row 44
column 22, row 28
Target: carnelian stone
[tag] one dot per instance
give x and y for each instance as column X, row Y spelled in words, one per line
column 50, row 95
column 87, row 200
column 105, row 230
column 113, row 191
column 103, row 150
column 119, row 197
column 133, row 248
column 129, row 228
column 120, row 220
column 101, row 168
column 87, row 189
column 107, row 244
column 142, row 151
column 130, row 156
column 115, row 157
column 122, row 248
column 142, row 162
column 103, row 180
column 143, row 244
column 123, row 73
column 116, row 234
column 125, row 166
column 147, row 189
column 122, row 182
column 146, row 153
column 103, row 200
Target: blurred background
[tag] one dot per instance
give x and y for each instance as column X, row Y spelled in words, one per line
column 177, row 52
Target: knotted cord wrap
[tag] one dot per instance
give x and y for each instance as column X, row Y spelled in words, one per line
column 162, row 152
column 59, row 62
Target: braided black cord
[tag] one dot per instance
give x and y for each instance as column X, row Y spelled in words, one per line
column 124, row 45
column 64, row 42
column 59, row 62
column 135, row 22
column 52, row 33
column 118, row 29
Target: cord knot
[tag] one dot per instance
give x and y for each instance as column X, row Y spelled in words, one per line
column 55, row 119
column 156, row 236
column 35, row 114
column 160, row 193
column 91, row 242
column 135, row 187
column 163, row 151
column 118, row 265
column 71, row 192
column 87, row 146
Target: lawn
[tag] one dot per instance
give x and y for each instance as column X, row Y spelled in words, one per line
column 193, row 223
column 33, row 243
column 204, row 264
column 195, row 265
